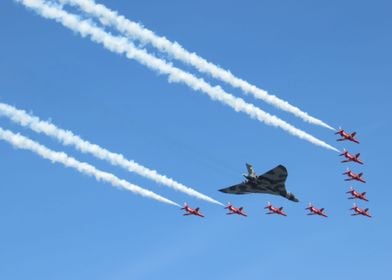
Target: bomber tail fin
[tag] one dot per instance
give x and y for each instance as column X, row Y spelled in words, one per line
column 251, row 172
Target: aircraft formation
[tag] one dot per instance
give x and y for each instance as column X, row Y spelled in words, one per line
column 351, row 176
column 273, row 182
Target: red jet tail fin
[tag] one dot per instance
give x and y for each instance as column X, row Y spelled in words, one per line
column 268, row 205
column 353, row 134
column 343, row 152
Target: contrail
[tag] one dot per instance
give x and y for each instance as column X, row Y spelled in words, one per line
column 136, row 31
column 22, row 142
column 122, row 46
column 68, row 138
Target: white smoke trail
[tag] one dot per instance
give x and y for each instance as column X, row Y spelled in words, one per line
column 22, row 142
column 68, row 138
column 121, row 45
column 136, row 31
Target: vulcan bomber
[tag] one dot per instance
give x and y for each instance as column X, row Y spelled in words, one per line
column 271, row 182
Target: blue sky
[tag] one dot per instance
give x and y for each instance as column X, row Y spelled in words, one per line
column 331, row 59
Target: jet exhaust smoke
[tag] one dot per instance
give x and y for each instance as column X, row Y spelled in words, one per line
column 135, row 31
column 69, row 139
column 122, row 46
column 21, row 142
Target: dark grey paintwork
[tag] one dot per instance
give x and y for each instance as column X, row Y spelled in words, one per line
column 271, row 182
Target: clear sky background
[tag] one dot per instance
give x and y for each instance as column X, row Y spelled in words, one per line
column 331, row 58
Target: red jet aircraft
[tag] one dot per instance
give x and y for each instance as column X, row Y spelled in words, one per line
column 314, row 211
column 190, row 211
column 347, row 136
column 353, row 176
column 234, row 210
column 357, row 195
column 349, row 157
column 274, row 210
column 359, row 211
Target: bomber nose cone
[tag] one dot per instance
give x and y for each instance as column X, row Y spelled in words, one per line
column 292, row 197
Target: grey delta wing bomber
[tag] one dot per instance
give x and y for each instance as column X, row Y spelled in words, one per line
column 271, row 182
